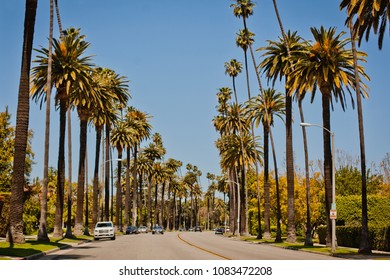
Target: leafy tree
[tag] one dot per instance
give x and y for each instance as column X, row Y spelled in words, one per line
column 7, row 135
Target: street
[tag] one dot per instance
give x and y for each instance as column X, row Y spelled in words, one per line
column 179, row 246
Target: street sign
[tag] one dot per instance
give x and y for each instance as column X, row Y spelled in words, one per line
column 333, row 214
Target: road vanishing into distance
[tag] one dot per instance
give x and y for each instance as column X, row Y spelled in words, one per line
column 179, row 246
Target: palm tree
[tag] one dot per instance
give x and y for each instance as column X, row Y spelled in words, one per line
column 367, row 14
column 171, row 166
column 244, row 40
column 15, row 232
column 328, row 65
column 42, row 231
column 120, row 139
column 138, row 122
column 154, row 151
column 70, row 72
column 233, row 68
column 276, row 65
column 244, row 9
column 102, row 80
column 264, row 108
column 364, row 246
column 291, row 236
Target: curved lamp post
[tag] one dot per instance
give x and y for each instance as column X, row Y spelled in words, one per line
column 333, row 211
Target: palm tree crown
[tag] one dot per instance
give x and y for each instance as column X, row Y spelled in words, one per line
column 369, row 14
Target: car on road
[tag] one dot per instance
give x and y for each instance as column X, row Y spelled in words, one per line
column 197, row 228
column 132, row 230
column 157, row 230
column 104, row 230
column 220, row 231
column 143, row 229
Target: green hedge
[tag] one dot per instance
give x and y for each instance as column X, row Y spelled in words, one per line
column 349, row 210
column 349, row 236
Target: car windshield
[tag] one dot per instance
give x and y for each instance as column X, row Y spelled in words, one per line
column 104, row 225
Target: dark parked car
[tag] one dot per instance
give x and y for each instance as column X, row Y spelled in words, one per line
column 198, row 228
column 157, row 229
column 220, row 231
column 132, row 230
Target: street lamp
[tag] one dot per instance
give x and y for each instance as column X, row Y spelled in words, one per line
column 333, row 211
column 238, row 205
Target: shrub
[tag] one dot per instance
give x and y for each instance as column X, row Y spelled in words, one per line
column 349, row 236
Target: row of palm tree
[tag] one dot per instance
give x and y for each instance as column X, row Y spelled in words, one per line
column 328, row 65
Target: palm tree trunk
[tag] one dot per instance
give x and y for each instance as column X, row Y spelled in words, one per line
column 118, row 205
column 162, row 204
column 15, row 232
column 308, row 239
column 127, row 194
column 42, row 231
column 61, row 165
column 364, row 245
column 267, row 204
column 149, row 208
column 78, row 228
column 135, row 186
column 95, row 198
column 86, row 228
column 107, row 175
column 69, row 233
column 278, row 208
column 327, row 163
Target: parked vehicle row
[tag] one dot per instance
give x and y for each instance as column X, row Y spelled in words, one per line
column 106, row 230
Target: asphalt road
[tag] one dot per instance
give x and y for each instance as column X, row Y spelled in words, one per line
column 179, row 246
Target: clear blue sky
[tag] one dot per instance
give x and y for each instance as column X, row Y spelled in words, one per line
column 173, row 52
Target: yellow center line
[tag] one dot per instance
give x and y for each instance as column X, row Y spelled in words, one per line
column 203, row 249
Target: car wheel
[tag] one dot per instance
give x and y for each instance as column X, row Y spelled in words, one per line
column 95, row 238
column 113, row 238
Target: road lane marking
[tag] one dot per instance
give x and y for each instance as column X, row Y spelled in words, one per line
column 203, row 249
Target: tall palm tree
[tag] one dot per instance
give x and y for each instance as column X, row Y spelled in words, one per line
column 276, row 65
column 264, row 108
column 154, row 151
column 70, row 71
column 171, row 166
column 364, row 245
column 367, row 15
column 244, row 40
column 120, row 139
column 244, row 9
column 101, row 79
column 15, row 232
column 42, row 231
column 329, row 66
column 138, row 121
column 233, row 68
column 291, row 236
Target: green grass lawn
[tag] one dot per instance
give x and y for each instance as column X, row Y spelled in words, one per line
column 32, row 247
column 300, row 246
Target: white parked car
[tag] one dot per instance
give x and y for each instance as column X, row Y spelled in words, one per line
column 104, row 230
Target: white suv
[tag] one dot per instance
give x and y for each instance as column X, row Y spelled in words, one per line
column 104, row 230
